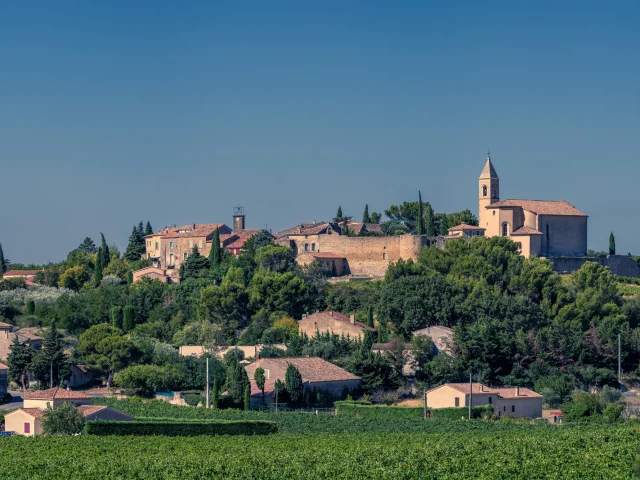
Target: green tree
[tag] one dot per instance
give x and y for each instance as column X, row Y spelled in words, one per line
column 30, row 307
column 293, row 384
column 365, row 216
column 420, row 227
column 116, row 317
column 215, row 254
column 19, row 361
column 237, row 381
column 98, row 270
column 612, row 244
column 3, row 263
column 135, row 248
column 375, row 217
column 52, row 353
column 370, row 321
column 260, row 379
column 247, row 398
column 74, row 278
column 147, row 229
column 64, row 419
column 339, row 217
column 128, row 321
column 196, row 264
column 429, row 219
column 106, row 254
column 147, row 379
column 87, row 246
column 215, row 397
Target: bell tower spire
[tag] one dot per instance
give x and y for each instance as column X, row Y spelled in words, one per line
column 489, row 190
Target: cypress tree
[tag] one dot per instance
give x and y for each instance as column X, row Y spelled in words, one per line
column 3, row 263
column 365, row 216
column 293, row 384
column 148, row 230
column 444, row 228
column 128, row 321
column 370, row 316
column 420, row 223
column 215, row 254
column 106, row 254
column 612, row 244
column 134, row 249
column 97, row 272
column 247, row 398
column 116, row 317
column 430, row 227
column 216, row 395
column 53, row 352
column 30, row 307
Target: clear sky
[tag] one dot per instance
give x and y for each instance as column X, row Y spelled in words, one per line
column 174, row 112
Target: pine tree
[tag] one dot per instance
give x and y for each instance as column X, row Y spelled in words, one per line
column 116, row 317
column 365, row 216
column 612, row 244
column 106, row 254
column 19, row 361
column 3, row 263
column 148, row 230
column 420, row 230
column 97, row 272
column 444, row 228
column 430, row 227
column 195, row 264
column 370, row 316
column 53, row 353
column 215, row 254
column 247, row 398
column 87, row 246
column 216, row 394
column 293, row 384
column 134, row 252
column 128, row 322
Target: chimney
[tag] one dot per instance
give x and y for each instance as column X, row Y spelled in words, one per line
column 314, row 222
column 481, row 387
column 194, row 226
column 352, row 319
column 304, row 315
column 517, row 391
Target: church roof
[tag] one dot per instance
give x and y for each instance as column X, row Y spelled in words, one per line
column 541, row 207
column 488, row 171
column 526, row 231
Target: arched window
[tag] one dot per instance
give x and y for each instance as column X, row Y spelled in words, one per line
column 505, row 229
column 484, row 190
column 306, row 247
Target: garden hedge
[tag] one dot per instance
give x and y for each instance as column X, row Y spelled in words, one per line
column 180, row 428
column 387, row 412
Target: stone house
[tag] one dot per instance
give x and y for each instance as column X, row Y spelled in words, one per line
column 80, row 375
column 28, row 421
column 316, row 374
column 333, row 262
column 506, row 401
column 334, row 323
column 7, row 335
column 442, row 337
column 405, row 349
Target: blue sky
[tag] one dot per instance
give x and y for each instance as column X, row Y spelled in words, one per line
column 174, row 112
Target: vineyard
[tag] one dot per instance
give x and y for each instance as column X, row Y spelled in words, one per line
column 597, row 452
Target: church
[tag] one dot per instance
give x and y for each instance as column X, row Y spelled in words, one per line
column 544, row 228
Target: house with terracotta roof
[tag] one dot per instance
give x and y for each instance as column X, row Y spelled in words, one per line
column 26, row 274
column 28, row 421
column 506, row 401
column 54, row 397
column 8, row 333
column 334, row 323
column 464, row 231
column 316, row 374
column 548, row 228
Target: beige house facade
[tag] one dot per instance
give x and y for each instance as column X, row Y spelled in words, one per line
column 548, row 228
column 334, row 323
column 506, row 401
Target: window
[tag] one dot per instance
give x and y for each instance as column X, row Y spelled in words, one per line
column 306, row 247
column 186, row 255
column 170, row 244
column 504, row 408
column 27, row 427
column 156, row 245
column 190, row 243
column 457, row 402
column 513, row 408
column 171, row 260
column 384, row 255
column 484, row 190
column 505, row 229
column 490, row 399
column 48, row 404
column 313, row 247
column 200, row 244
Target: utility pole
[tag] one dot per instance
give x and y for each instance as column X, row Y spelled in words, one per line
column 424, row 399
column 470, row 395
column 619, row 357
column 51, row 376
column 276, row 399
column 207, row 399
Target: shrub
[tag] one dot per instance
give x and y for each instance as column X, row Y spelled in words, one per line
column 613, row 412
column 193, row 399
column 146, row 379
column 175, row 428
column 610, row 394
column 65, row 419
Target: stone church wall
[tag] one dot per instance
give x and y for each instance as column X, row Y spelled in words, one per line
column 618, row 264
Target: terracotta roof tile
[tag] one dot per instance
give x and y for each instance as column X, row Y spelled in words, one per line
column 464, row 227
column 3, row 366
column 504, row 392
column 87, row 410
column 20, row 273
column 526, row 231
column 269, row 386
column 5, row 325
column 312, row 369
column 34, row 412
column 55, row 393
column 188, row 231
column 342, row 318
column 541, row 207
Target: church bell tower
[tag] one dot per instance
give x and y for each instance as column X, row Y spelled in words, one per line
column 489, row 191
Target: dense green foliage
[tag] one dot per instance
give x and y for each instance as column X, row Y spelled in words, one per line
column 180, row 428
column 65, row 419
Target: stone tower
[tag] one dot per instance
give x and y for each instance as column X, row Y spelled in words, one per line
column 488, row 191
column 238, row 219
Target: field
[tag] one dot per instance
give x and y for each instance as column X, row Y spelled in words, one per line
column 391, row 446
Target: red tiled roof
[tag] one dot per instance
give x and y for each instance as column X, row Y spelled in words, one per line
column 342, row 318
column 504, row 392
column 5, row 325
column 541, row 207
column 464, row 227
column 87, row 410
column 269, row 386
column 34, row 412
column 241, row 238
column 3, row 366
column 312, row 369
column 20, row 273
column 55, row 393
column 526, row 231
column 304, row 229
column 187, row 231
